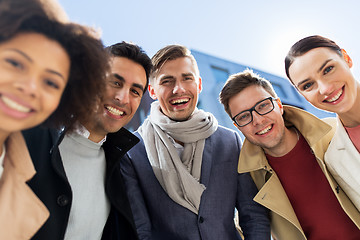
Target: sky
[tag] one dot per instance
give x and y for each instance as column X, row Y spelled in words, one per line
column 255, row 33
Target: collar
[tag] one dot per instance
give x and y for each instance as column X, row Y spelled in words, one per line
column 81, row 130
column 313, row 129
column 341, row 138
column 18, row 156
column 122, row 140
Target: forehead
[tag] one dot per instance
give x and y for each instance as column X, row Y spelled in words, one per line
column 311, row 61
column 247, row 98
column 128, row 69
column 177, row 67
column 34, row 43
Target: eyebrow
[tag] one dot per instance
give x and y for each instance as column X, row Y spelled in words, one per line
column 187, row 74
column 319, row 70
column 167, row 77
column 21, row 53
column 120, row 78
column 171, row 76
column 30, row 60
column 323, row 65
column 55, row 73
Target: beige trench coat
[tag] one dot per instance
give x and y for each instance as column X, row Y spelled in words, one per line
column 21, row 212
column 284, row 223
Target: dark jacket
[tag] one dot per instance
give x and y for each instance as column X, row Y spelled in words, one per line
column 158, row 217
column 52, row 187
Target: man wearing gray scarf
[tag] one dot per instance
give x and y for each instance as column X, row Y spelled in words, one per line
column 182, row 178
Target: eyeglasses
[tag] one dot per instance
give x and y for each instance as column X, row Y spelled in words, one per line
column 263, row 107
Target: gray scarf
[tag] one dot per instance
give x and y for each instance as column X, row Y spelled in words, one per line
column 178, row 177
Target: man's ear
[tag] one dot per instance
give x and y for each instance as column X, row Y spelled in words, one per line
column 200, row 85
column 347, row 58
column 278, row 101
column 152, row 92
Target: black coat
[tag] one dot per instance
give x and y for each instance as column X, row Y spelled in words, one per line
column 50, row 183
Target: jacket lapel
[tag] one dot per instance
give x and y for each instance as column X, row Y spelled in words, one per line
column 22, row 212
column 207, row 162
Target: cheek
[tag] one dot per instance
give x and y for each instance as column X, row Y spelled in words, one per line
column 162, row 92
column 135, row 103
column 246, row 130
column 52, row 102
column 309, row 96
column 109, row 93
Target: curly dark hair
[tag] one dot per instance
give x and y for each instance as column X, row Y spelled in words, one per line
column 89, row 60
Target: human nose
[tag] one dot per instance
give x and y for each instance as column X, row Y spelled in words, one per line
column 325, row 88
column 122, row 96
column 256, row 118
column 28, row 85
column 178, row 88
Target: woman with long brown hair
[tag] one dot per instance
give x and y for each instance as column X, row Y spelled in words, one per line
column 321, row 71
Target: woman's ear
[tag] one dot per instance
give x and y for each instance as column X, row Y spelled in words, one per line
column 347, row 58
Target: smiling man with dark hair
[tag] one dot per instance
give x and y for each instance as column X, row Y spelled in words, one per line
column 78, row 175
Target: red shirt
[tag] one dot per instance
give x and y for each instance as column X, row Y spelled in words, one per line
column 315, row 205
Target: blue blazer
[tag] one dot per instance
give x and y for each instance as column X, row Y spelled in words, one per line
column 158, row 217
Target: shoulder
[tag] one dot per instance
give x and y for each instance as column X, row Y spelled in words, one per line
column 225, row 137
column 223, row 132
column 41, row 134
column 40, row 142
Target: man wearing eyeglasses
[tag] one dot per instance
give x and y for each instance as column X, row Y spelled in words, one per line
column 283, row 151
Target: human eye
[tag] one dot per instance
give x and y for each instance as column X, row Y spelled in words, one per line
column 306, row 86
column 14, row 63
column 243, row 117
column 166, row 81
column 135, row 92
column 52, row 83
column 328, row 69
column 115, row 83
column 263, row 105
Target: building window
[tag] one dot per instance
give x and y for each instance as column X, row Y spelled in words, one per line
column 220, row 74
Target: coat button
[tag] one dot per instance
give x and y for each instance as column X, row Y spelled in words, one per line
column 201, row 219
column 62, row 200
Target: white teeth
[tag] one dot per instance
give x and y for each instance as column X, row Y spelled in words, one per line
column 265, row 130
column 179, row 101
column 336, row 97
column 14, row 105
column 114, row 111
